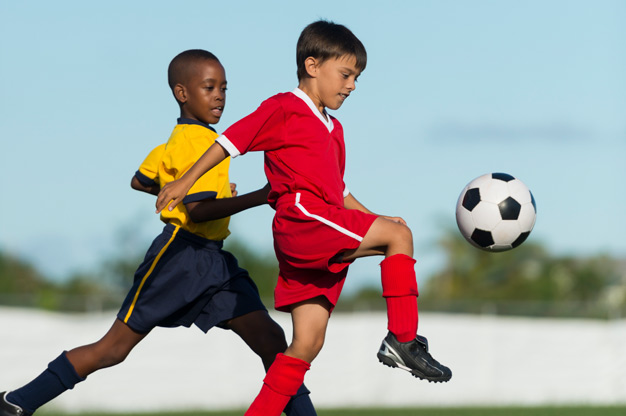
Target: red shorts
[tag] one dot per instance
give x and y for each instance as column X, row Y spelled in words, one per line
column 308, row 234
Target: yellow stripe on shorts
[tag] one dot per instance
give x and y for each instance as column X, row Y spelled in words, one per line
column 152, row 266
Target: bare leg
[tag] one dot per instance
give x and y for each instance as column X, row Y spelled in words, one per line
column 310, row 319
column 112, row 349
column 385, row 237
column 261, row 333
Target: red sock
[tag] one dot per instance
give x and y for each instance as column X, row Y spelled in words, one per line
column 283, row 379
column 400, row 293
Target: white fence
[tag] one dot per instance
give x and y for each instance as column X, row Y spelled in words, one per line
column 495, row 361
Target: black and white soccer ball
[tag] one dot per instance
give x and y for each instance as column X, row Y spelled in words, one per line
column 496, row 212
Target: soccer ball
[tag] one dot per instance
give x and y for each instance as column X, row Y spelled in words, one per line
column 496, row 212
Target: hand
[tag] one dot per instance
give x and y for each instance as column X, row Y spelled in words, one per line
column 172, row 194
column 233, row 189
column 395, row 219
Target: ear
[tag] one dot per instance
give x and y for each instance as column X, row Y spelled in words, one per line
column 311, row 65
column 180, row 93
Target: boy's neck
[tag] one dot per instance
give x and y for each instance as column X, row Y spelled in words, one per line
column 305, row 88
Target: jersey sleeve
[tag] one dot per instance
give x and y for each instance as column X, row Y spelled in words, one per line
column 148, row 172
column 262, row 130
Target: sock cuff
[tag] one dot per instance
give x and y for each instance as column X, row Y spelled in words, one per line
column 286, row 374
column 398, row 276
column 64, row 370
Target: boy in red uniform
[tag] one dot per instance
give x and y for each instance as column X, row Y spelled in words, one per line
column 319, row 227
column 186, row 278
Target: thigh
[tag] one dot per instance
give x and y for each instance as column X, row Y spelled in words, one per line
column 310, row 233
column 384, row 237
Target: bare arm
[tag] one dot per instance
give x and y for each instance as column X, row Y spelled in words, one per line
column 350, row 202
column 173, row 193
column 214, row 209
column 138, row 186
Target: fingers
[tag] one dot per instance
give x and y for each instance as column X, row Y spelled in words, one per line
column 164, row 198
column 396, row 219
column 401, row 221
column 173, row 204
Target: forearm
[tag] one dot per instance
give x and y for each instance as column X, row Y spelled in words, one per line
column 209, row 159
column 215, row 209
column 350, row 202
column 173, row 193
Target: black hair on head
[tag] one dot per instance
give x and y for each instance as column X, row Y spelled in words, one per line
column 177, row 71
column 325, row 40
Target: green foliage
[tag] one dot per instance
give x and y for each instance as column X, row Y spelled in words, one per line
column 18, row 276
column 22, row 285
column 527, row 280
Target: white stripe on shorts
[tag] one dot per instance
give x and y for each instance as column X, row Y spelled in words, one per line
column 325, row 221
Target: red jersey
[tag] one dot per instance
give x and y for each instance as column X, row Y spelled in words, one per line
column 304, row 150
column 304, row 164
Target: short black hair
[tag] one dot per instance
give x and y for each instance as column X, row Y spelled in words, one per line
column 178, row 70
column 325, row 40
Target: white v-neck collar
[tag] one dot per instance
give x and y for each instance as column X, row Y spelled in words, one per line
column 328, row 122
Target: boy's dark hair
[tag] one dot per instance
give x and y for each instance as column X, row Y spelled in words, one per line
column 325, row 40
column 178, row 70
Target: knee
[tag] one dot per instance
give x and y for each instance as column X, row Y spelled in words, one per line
column 401, row 235
column 272, row 342
column 109, row 356
column 306, row 349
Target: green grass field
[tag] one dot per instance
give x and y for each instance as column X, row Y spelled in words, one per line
column 471, row 411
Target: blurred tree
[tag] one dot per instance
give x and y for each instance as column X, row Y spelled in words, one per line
column 528, row 276
column 21, row 284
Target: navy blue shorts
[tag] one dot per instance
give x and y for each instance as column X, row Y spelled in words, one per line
column 186, row 279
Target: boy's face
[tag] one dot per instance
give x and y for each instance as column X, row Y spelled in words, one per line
column 335, row 80
column 203, row 96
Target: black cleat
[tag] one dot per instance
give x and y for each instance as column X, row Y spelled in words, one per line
column 8, row 408
column 413, row 357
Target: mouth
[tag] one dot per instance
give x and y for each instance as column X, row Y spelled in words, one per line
column 343, row 96
column 217, row 111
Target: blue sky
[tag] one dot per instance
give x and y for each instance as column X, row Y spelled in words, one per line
column 452, row 90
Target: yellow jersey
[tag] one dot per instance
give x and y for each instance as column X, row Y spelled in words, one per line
column 169, row 161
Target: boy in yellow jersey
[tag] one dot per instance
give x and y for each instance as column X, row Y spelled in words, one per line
column 186, row 278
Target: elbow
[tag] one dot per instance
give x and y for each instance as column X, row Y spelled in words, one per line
column 196, row 218
column 135, row 184
column 193, row 213
column 197, row 213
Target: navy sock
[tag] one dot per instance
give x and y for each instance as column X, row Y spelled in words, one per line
column 300, row 404
column 57, row 378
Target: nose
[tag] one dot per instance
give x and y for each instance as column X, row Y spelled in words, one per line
column 352, row 84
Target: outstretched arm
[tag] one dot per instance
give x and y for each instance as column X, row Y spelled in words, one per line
column 173, row 193
column 214, row 209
